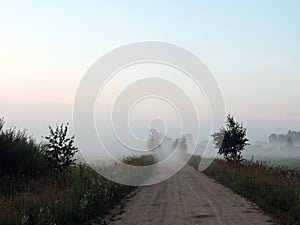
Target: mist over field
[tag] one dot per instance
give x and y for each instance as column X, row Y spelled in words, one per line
column 149, row 112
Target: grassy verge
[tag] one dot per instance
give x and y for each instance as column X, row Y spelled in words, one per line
column 32, row 192
column 275, row 189
column 72, row 198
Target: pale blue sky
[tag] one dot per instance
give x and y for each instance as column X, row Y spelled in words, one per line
column 251, row 47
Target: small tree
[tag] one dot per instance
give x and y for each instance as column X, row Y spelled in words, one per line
column 231, row 140
column 273, row 138
column 154, row 139
column 289, row 143
column 60, row 149
column 182, row 144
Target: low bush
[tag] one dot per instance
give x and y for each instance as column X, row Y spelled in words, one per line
column 19, row 153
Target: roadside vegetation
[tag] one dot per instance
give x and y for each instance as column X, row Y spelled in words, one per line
column 231, row 140
column 291, row 163
column 41, row 183
column 275, row 189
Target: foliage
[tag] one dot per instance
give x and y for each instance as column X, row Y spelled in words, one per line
column 154, row 140
column 73, row 198
column 19, row 153
column 283, row 138
column 289, row 143
column 33, row 193
column 181, row 144
column 275, row 189
column 231, row 140
column 59, row 148
column 142, row 160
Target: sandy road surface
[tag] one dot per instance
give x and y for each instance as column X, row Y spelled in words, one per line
column 187, row 198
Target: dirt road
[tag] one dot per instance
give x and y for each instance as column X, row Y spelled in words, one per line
column 188, row 198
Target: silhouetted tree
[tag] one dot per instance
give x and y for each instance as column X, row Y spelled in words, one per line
column 180, row 143
column 273, row 138
column 183, row 144
column 154, row 139
column 289, row 143
column 60, row 149
column 282, row 138
column 231, row 140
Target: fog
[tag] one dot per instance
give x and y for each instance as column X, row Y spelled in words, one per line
column 258, row 133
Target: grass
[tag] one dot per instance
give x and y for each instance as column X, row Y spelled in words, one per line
column 292, row 163
column 71, row 198
column 33, row 193
column 20, row 154
column 275, row 189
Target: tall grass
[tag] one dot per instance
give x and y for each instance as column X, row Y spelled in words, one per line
column 71, row 198
column 19, row 153
column 274, row 189
column 33, row 193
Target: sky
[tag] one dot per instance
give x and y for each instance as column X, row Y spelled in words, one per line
column 251, row 47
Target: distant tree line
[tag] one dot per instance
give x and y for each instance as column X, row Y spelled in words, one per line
column 289, row 138
column 231, row 140
column 156, row 139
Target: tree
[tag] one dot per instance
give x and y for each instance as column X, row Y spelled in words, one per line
column 182, row 144
column 273, row 138
column 60, row 149
column 289, row 143
column 231, row 140
column 154, row 140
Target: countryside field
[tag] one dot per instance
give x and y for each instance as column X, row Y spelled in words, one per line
column 33, row 192
column 149, row 112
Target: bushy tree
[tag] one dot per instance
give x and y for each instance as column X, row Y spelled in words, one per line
column 273, row 138
column 59, row 148
column 231, row 140
column 289, row 143
column 154, row 139
column 181, row 144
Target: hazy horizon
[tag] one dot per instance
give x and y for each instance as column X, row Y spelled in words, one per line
column 46, row 50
